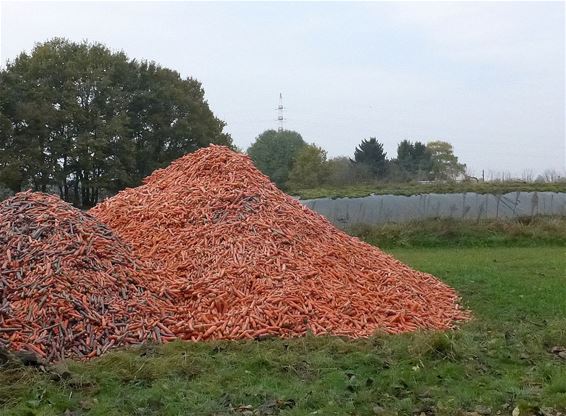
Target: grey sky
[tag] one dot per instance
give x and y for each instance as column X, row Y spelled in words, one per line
column 487, row 77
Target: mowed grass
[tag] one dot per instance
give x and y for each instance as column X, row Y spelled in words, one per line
column 501, row 360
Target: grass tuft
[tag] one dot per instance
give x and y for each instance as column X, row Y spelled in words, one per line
column 436, row 345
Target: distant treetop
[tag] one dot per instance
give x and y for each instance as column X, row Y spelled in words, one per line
column 274, row 153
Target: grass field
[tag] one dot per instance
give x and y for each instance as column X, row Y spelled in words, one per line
column 415, row 188
column 500, row 360
column 450, row 232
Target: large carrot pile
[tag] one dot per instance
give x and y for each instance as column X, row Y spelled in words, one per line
column 68, row 285
column 242, row 259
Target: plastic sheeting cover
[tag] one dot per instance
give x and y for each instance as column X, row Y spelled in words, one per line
column 377, row 209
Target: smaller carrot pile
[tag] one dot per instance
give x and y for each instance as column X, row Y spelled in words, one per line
column 69, row 287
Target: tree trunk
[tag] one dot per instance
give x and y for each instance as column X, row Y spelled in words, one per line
column 76, row 197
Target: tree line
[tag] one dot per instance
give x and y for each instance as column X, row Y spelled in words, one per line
column 292, row 163
column 83, row 121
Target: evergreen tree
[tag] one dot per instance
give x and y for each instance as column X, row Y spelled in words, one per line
column 414, row 159
column 371, row 155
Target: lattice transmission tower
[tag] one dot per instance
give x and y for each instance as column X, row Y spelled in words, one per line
column 280, row 117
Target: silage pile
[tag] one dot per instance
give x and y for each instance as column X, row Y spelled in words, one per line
column 69, row 287
column 242, row 259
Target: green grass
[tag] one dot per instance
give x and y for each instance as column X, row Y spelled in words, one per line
column 415, row 188
column 501, row 359
column 449, row 232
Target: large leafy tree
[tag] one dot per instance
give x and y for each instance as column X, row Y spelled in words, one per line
column 274, row 152
column 370, row 154
column 309, row 169
column 85, row 121
column 445, row 164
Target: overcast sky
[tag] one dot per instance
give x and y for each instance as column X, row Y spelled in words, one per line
column 487, row 77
